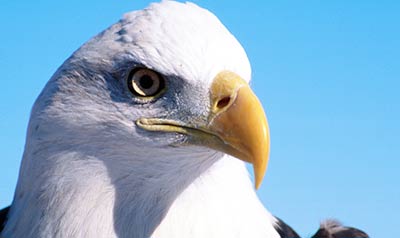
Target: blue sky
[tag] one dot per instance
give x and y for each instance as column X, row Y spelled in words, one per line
column 327, row 73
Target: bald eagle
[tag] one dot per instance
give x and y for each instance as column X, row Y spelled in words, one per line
column 143, row 132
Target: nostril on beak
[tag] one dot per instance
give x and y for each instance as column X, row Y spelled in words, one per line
column 223, row 102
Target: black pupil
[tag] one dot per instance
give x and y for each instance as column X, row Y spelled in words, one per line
column 146, row 82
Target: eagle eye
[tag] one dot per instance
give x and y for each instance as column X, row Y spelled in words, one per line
column 144, row 82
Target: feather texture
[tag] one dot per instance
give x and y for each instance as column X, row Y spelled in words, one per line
column 88, row 171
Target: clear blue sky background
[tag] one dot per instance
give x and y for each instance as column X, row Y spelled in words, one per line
column 327, row 72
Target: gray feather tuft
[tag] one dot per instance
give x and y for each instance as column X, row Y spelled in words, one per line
column 334, row 229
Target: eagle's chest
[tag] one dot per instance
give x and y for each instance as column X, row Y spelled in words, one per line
column 212, row 208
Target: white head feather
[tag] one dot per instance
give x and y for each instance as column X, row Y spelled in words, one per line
column 88, row 171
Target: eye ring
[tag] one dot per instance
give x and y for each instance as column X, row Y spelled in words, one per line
column 145, row 83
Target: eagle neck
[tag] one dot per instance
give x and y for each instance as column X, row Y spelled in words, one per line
column 75, row 194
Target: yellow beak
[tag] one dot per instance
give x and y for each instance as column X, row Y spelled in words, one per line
column 237, row 124
column 239, row 120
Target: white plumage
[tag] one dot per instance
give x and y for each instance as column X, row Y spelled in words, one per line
column 136, row 135
column 89, row 171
